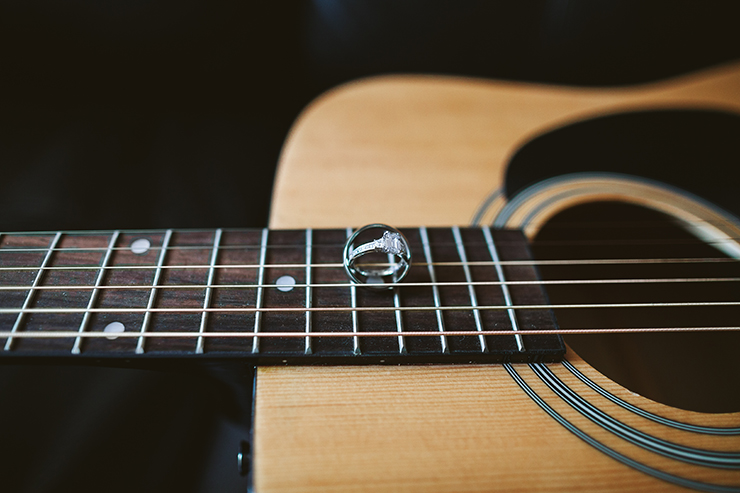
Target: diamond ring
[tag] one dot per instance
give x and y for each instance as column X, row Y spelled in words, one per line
column 380, row 260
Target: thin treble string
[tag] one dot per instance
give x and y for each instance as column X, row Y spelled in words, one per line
column 327, row 309
column 245, row 246
column 631, row 224
column 576, row 223
column 256, row 248
column 394, row 334
column 332, row 265
column 697, row 280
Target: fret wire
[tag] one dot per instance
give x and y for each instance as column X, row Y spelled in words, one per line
column 399, row 319
column 333, row 265
column 207, row 297
column 153, row 293
column 435, row 288
column 353, row 298
column 504, row 288
column 471, row 289
column 429, row 333
column 260, row 280
column 659, row 280
column 309, row 243
column 377, row 308
column 31, row 292
column 94, row 296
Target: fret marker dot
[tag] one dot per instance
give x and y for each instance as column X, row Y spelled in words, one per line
column 114, row 327
column 140, row 246
column 285, row 283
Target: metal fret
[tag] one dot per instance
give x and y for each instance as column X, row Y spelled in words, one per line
column 435, row 289
column 504, row 288
column 399, row 318
column 471, row 289
column 309, row 247
column 207, row 298
column 283, row 323
column 260, row 280
column 96, row 290
column 31, row 292
column 353, row 297
column 153, row 293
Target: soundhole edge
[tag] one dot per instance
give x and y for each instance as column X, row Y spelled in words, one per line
column 696, row 371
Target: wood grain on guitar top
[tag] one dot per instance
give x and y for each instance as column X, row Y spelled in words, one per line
column 409, row 150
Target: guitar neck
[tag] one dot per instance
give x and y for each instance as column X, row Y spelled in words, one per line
column 272, row 297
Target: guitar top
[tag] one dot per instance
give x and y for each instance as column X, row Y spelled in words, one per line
column 409, row 150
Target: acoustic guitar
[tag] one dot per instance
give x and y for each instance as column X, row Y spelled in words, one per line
column 577, row 217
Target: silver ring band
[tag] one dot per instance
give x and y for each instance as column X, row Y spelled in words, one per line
column 392, row 243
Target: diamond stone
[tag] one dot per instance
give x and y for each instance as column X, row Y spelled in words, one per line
column 391, row 243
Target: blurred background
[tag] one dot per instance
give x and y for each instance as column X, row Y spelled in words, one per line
column 171, row 113
column 164, row 113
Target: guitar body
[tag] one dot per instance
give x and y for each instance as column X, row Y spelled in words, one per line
column 409, row 150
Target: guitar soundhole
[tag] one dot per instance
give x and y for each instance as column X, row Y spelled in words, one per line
column 697, row 371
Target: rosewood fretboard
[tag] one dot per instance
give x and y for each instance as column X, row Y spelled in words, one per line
column 265, row 295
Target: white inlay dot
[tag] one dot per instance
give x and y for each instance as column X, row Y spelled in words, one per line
column 285, row 283
column 114, row 327
column 140, row 246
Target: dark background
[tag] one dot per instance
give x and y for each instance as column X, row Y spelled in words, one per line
column 171, row 113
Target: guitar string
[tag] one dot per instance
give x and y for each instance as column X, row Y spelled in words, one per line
column 556, row 262
column 664, row 280
column 90, row 232
column 563, row 224
column 330, row 309
column 419, row 284
column 395, row 334
column 253, row 247
column 334, row 265
column 382, row 334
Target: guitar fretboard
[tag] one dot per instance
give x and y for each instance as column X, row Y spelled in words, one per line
column 270, row 296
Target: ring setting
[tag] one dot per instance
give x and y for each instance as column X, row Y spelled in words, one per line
column 364, row 263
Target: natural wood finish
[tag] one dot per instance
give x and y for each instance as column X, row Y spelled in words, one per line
column 435, row 428
column 413, row 429
column 427, row 150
